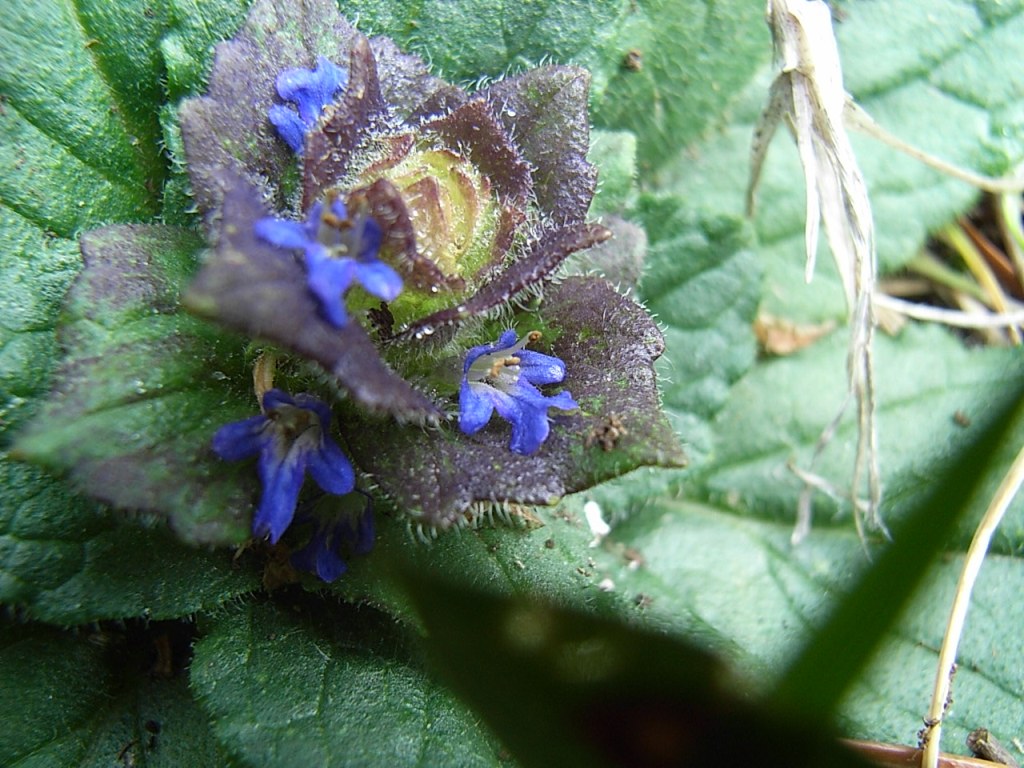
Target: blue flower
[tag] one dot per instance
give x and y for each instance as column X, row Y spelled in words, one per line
column 503, row 376
column 310, row 90
column 290, row 438
column 339, row 252
column 351, row 530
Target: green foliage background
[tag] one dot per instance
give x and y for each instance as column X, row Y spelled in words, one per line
column 88, row 137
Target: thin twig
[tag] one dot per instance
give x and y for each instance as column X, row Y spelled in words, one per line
column 958, row 612
column 955, row 236
column 857, row 118
column 899, row 756
column 1008, row 215
column 952, row 317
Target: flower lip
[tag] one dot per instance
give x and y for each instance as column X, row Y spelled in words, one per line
column 503, row 376
column 290, row 439
column 310, row 90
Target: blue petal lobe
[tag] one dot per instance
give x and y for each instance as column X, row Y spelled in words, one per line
column 529, row 431
column 508, row 407
column 475, row 408
column 275, row 398
column 370, row 238
column 318, row 556
column 282, row 233
column 282, row 478
column 379, row 279
column 538, row 368
column 563, row 401
column 328, row 280
column 240, row 439
column 311, row 90
column 329, row 566
column 290, row 127
column 331, row 468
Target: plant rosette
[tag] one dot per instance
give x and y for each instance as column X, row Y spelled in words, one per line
column 392, row 247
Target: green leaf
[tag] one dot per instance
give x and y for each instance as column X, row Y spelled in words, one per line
column 319, row 684
column 79, row 124
column 827, row 665
column 542, row 552
column 702, row 282
column 143, row 388
column 63, row 559
column 87, row 700
column 67, row 561
column 470, row 39
column 735, row 584
column 614, row 154
column 949, row 88
column 776, row 414
column 693, row 56
column 677, row 66
column 195, row 28
column 35, row 272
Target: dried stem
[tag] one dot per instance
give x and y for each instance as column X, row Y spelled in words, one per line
column 958, row 612
column 952, row 317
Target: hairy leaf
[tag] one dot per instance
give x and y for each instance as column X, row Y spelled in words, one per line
column 545, row 113
column 665, row 69
column 80, row 145
column 143, row 388
column 609, row 345
column 318, row 684
column 926, row 378
column 90, row 700
column 68, row 561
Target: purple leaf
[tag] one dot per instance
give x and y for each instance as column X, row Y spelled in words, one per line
column 609, row 345
column 544, row 110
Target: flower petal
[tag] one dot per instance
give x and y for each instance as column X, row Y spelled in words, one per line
column 538, row 368
column 240, row 439
column 507, row 340
column 379, row 279
column 312, row 90
column 329, row 565
column 563, row 401
column 475, row 407
column 529, row 431
column 282, row 233
column 282, row 478
column 508, row 406
column 331, row 468
column 319, row 556
column 275, row 398
column 328, row 280
column 289, row 127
